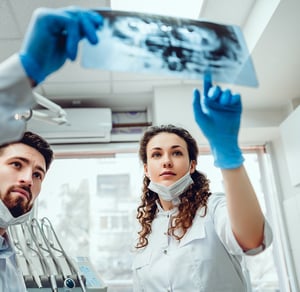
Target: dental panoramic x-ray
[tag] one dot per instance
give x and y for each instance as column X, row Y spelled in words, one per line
column 149, row 43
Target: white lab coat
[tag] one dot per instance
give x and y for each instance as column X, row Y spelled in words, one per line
column 207, row 259
column 15, row 96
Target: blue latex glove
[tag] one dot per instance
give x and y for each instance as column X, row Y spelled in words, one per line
column 218, row 114
column 53, row 36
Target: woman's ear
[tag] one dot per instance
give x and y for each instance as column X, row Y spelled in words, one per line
column 193, row 166
column 146, row 170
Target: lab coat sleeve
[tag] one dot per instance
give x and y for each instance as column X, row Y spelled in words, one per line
column 268, row 238
column 15, row 96
column 217, row 205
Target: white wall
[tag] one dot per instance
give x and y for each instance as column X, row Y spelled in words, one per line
column 289, row 200
column 288, row 176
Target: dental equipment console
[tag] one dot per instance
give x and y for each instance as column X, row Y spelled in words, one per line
column 45, row 265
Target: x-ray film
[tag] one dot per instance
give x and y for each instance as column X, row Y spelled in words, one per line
column 149, row 43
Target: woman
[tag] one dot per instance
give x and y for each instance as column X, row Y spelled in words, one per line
column 190, row 239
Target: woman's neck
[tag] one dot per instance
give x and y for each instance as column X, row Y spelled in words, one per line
column 166, row 205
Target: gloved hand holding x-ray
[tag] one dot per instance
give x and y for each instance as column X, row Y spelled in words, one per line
column 53, row 37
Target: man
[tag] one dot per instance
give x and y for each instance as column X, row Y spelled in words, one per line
column 23, row 166
column 52, row 38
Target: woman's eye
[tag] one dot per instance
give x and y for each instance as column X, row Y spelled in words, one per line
column 177, row 153
column 156, row 155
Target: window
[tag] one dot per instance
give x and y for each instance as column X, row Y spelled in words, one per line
column 92, row 202
column 262, row 269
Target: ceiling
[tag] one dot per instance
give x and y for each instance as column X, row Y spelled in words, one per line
column 271, row 29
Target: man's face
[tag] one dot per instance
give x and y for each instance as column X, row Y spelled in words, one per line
column 22, row 170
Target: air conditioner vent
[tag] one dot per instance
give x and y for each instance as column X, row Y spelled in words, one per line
column 84, row 125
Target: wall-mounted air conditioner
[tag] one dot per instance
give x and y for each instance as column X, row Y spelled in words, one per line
column 84, row 125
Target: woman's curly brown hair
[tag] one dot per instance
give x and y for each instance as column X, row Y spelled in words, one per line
column 191, row 200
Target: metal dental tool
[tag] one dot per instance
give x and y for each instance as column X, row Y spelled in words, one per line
column 23, row 251
column 35, row 232
column 54, row 243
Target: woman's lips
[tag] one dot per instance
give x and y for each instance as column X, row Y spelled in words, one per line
column 167, row 173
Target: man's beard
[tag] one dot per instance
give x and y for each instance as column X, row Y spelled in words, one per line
column 17, row 206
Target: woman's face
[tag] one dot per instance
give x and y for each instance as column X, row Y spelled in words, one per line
column 167, row 159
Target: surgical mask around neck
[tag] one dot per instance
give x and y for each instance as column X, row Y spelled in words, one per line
column 7, row 219
column 172, row 192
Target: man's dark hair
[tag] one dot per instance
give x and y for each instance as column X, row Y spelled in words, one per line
column 37, row 142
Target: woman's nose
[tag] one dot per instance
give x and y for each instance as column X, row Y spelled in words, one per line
column 167, row 162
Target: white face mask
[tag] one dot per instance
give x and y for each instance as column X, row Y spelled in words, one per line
column 172, row 192
column 7, row 219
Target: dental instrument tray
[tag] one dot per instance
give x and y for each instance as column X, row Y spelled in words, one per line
column 45, row 265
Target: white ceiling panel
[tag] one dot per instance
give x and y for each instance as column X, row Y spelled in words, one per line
column 8, row 24
column 227, row 12
column 117, row 76
column 134, row 86
column 22, row 10
column 8, row 47
column 69, row 89
column 73, row 72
